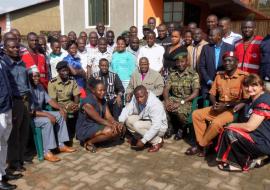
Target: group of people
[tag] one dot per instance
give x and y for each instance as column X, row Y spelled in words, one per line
column 96, row 89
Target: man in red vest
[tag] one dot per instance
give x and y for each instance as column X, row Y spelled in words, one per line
column 32, row 57
column 247, row 50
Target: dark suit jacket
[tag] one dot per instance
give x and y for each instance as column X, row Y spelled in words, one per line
column 207, row 65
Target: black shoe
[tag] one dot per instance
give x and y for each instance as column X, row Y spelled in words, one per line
column 17, row 168
column 179, row 135
column 168, row 134
column 6, row 186
column 10, row 176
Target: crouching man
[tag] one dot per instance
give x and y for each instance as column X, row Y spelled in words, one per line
column 146, row 116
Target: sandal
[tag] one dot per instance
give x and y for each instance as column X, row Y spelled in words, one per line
column 90, row 147
column 228, row 168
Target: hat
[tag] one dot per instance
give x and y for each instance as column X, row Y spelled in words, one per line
column 33, row 69
column 181, row 55
column 229, row 54
column 146, row 26
column 61, row 65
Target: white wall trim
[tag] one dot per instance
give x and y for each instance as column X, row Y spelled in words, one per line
column 86, row 16
column 62, row 21
column 140, row 15
column 135, row 12
column 8, row 22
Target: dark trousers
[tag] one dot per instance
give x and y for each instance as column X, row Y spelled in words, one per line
column 115, row 109
column 20, row 132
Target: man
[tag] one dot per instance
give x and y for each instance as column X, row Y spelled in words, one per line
column 265, row 62
column 150, row 79
column 20, row 110
column 93, row 40
column 133, row 31
column 171, row 27
column 50, row 122
column 72, row 36
column 162, row 38
column 83, row 53
column 17, row 33
column 134, row 46
column 194, row 50
column 33, row 58
column 153, row 52
column 101, row 52
column 248, row 49
column 181, row 88
column 152, row 24
column 8, row 90
column 145, row 115
column 65, row 91
column 100, row 29
column 110, row 39
column 6, row 36
column 146, row 30
column 64, row 41
column 225, row 95
column 211, row 22
column 126, row 35
column 83, row 35
column 55, row 56
column 114, row 87
column 210, row 60
column 228, row 35
column 192, row 26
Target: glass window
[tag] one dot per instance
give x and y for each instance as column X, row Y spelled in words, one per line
column 98, row 11
column 173, row 11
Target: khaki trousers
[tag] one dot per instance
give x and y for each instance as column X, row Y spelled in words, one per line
column 134, row 124
column 204, row 134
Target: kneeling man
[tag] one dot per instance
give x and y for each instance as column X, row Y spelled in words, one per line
column 145, row 115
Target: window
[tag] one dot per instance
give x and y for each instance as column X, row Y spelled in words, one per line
column 97, row 11
column 173, row 11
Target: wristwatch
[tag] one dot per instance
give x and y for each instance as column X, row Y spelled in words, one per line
column 182, row 102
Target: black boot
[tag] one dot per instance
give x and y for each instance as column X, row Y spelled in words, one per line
column 6, row 186
column 179, row 135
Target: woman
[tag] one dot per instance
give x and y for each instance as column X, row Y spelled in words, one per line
column 95, row 123
column 75, row 66
column 123, row 62
column 241, row 143
column 188, row 38
column 48, row 121
column 170, row 53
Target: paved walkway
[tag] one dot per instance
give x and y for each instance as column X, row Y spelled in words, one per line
column 120, row 167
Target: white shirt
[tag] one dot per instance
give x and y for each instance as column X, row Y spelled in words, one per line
column 95, row 57
column 53, row 60
column 91, row 50
column 135, row 53
column 154, row 55
column 111, row 48
column 232, row 38
column 85, row 57
column 153, row 110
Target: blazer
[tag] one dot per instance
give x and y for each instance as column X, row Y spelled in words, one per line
column 153, row 81
column 207, row 66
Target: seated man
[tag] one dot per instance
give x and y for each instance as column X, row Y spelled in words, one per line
column 225, row 95
column 113, row 85
column 48, row 121
column 181, row 88
column 152, row 80
column 65, row 91
column 145, row 115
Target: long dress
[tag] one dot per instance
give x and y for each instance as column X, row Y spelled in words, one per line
column 86, row 127
column 238, row 147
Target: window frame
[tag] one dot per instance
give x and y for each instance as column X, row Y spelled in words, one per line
column 172, row 12
column 86, row 14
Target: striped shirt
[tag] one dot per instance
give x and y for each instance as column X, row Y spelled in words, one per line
column 112, row 83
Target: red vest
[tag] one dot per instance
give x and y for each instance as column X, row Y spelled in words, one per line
column 39, row 60
column 249, row 59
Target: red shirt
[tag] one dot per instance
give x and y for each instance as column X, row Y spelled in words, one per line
column 39, row 60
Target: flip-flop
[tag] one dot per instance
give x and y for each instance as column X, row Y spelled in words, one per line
column 90, row 147
column 227, row 168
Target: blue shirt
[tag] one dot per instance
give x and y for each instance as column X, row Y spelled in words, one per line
column 20, row 75
column 39, row 98
column 217, row 53
column 8, row 86
column 123, row 64
column 75, row 62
